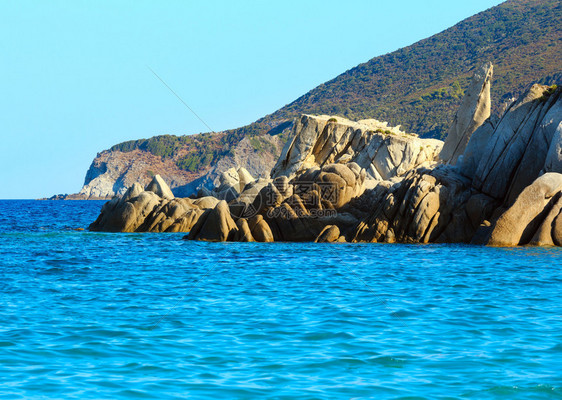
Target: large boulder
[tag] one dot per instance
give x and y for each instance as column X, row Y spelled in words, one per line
column 557, row 230
column 244, row 234
column 126, row 216
column 260, row 229
column 185, row 222
column 426, row 206
column 329, row 234
column 521, row 221
column 244, row 178
column 215, row 225
column 548, row 233
column 206, row 202
column 160, row 188
column 338, row 184
column 232, row 183
column 168, row 213
column 553, row 162
column 475, row 150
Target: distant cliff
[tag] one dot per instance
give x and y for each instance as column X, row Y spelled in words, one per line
column 187, row 163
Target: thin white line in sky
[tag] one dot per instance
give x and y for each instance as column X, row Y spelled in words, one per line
column 180, row 99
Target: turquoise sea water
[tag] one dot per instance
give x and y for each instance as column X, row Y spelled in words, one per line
column 151, row 316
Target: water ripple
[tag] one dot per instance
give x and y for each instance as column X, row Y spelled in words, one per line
column 95, row 315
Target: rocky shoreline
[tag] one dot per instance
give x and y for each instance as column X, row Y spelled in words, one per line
column 76, row 196
column 494, row 181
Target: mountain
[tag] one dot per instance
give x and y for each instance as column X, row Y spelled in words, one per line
column 419, row 87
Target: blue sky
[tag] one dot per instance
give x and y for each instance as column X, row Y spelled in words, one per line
column 74, row 77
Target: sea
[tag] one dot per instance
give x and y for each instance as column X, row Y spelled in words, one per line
column 87, row 315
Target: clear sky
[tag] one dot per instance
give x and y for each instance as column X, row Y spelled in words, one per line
column 74, row 77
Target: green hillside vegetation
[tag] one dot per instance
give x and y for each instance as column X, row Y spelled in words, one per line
column 419, row 87
column 198, row 152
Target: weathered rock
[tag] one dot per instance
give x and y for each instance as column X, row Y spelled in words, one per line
column 479, row 208
column 166, row 214
column 206, row 202
column 329, row 234
column 501, row 165
column 557, row 230
column 474, row 110
column 538, row 149
column 178, row 212
column 504, row 190
column 244, row 178
column 268, row 197
column 126, row 216
column 292, row 225
column 251, row 190
column 141, row 210
column 232, row 183
column 427, row 206
column 260, row 229
column 381, row 150
column 244, row 234
column 520, row 222
column 470, row 159
column 230, row 178
column 186, row 222
column 160, row 188
column 215, row 225
column 545, row 235
column 338, row 184
column 132, row 192
column 283, row 186
column 553, row 162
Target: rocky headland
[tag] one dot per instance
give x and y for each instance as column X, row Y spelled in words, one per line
column 496, row 180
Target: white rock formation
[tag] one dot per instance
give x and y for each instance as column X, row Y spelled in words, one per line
column 383, row 151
